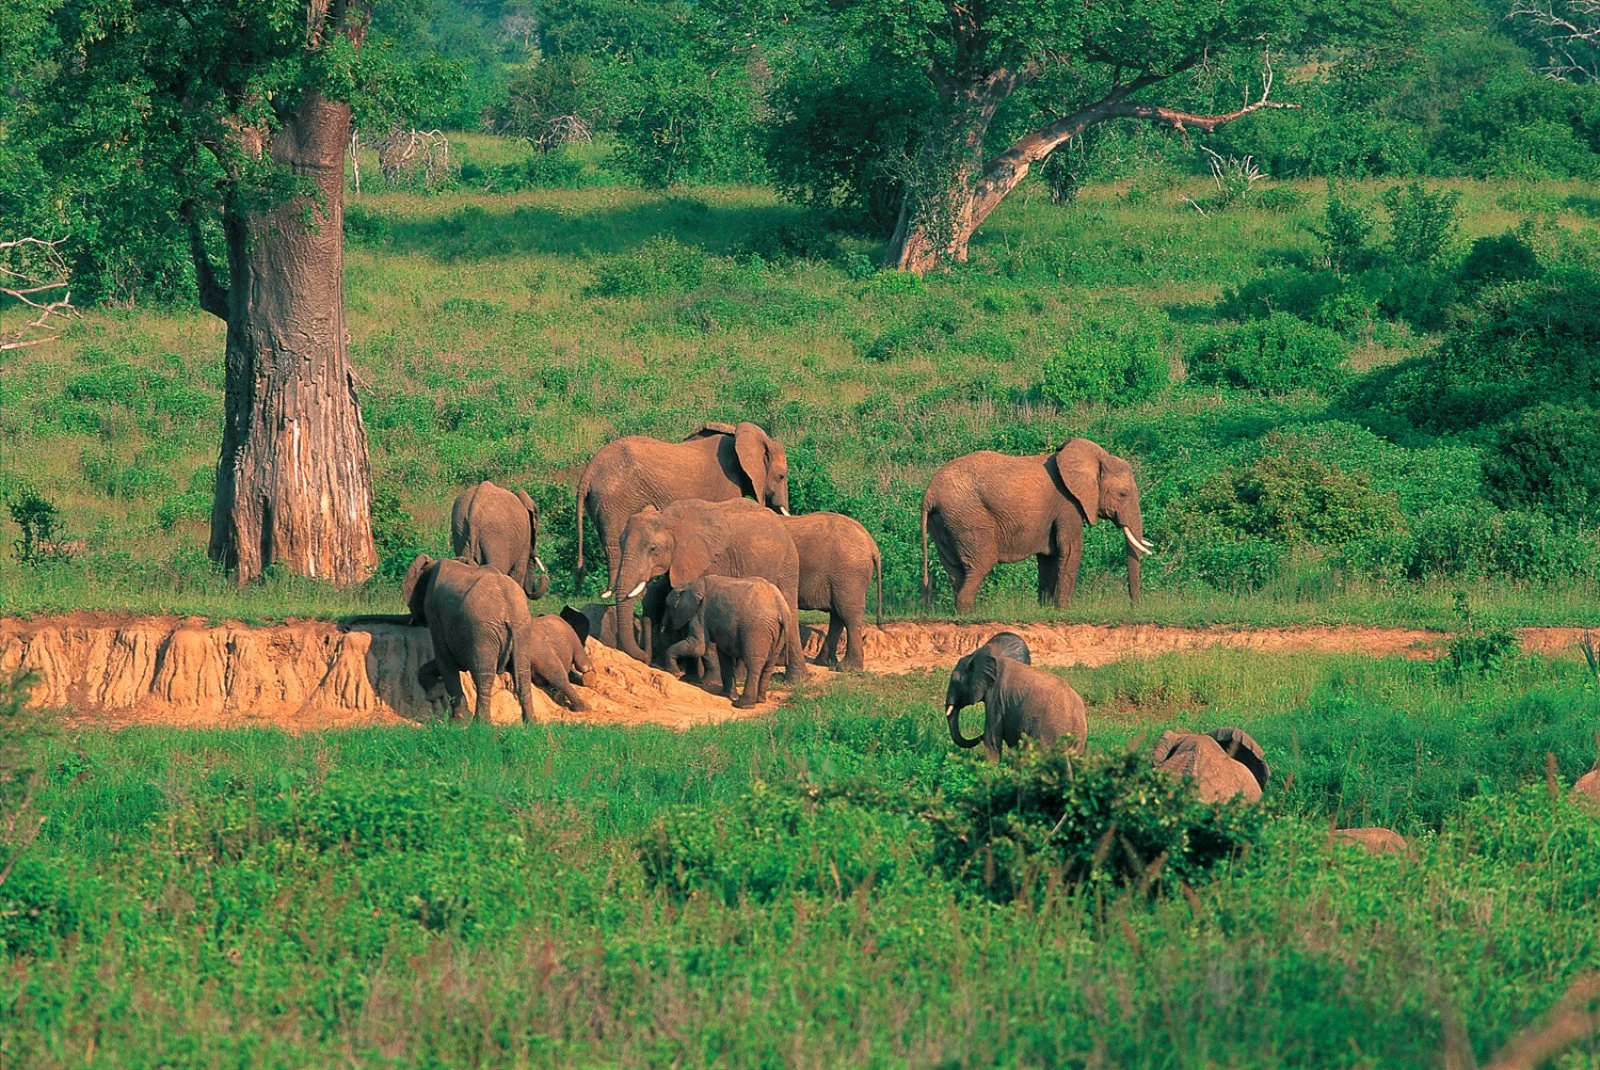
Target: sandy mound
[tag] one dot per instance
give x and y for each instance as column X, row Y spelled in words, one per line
column 914, row 645
column 298, row 676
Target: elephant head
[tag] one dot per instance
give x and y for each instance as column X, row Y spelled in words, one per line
column 682, row 547
column 1104, row 488
column 537, row 578
column 414, row 587
column 684, row 604
column 969, row 685
column 764, row 464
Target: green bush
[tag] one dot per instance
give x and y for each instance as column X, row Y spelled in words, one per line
column 1323, row 298
column 1548, row 459
column 1232, row 564
column 1116, row 365
column 658, row 265
column 1105, row 820
column 1422, row 223
column 1500, row 258
column 1276, row 355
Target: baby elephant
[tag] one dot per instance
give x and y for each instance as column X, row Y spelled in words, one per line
column 479, row 621
column 1223, row 763
column 602, row 622
column 1002, row 645
column 1018, row 700
column 743, row 621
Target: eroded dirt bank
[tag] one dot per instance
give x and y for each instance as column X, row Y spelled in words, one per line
column 311, row 675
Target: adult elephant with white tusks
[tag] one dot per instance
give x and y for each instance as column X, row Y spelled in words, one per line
column 491, row 526
column 985, row 508
column 694, row 538
column 717, row 463
column 838, row 561
column 1018, row 700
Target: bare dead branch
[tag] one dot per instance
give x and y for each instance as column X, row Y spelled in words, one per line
column 1569, row 30
column 31, row 268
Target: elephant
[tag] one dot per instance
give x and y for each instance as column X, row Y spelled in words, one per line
column 693, row 538
column 1223, row 763
column 491, row 526
column 1374, row 840
column 601, row 618
column 716, row 463
column 838, row 560
column 743, row 621
column 1018, row 700
column 1003, row 645
column 984, row 508
column 479, row 621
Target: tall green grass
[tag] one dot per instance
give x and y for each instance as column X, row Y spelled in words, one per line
column 447, row 896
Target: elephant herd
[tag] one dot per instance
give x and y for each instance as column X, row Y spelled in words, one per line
column 709, row 570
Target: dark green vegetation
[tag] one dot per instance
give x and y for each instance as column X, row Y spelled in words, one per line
column 835, row 884
column 1344, row 408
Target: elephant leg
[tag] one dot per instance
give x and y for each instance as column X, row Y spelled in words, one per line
column 855, row 624
column 967, row 566
column 829, row 654
column 794, row 657
column 564, row 688
column 1049, row 578
column 753, row 661
column 1070, row 558
column 451, row 678
column 525, row 696
column 728, row 663
column 484, row 683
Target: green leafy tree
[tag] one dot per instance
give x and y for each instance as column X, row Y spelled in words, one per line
column 224, row 123
column 1009, row 83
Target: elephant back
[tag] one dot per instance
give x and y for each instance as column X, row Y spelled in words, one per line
column 1008, row 645
column 1242, row 748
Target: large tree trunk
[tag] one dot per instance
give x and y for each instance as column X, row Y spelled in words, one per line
column 293, row 485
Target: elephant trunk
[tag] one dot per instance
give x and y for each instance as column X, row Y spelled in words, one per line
column 952, row 716
column 1138, row 548
column 536, row 584
column 630, row 583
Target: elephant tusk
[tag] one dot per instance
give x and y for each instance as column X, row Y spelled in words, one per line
column 536, row 561
column 1137, row 543
column 607, row 593
column 948, row 710
column 783, row 510
column 635, row 592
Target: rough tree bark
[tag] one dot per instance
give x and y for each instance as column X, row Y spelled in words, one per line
column 952, row 191
column 293, row 483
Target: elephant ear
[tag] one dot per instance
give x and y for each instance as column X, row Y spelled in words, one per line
column 414, row 588
column 532, row 507
column 577, row 621
column 754, row 450
column 709, row 430
column 1079, row 463
column 1239, row 746
column 985, row 668
column 698, row 539
column 1165, row 746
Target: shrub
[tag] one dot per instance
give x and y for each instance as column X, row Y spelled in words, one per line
column 657, row 265
column 1548, row 459
column 676, row 122
column 1288, row 495
column 1108, row 820
column 1111, row 364
column 1500, row 258
column 1344, row 232
column 394, row 533
column 1277, row 355
column 1324, row 298
column 1422, row 222
column 1234, row 565
column 557, row 169
column 40, row 521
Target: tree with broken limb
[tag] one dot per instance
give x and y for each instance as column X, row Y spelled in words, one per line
column 237, row 114
column 1011, row 82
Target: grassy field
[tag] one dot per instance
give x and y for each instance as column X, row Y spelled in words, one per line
column 508, row 335
column 778, row 892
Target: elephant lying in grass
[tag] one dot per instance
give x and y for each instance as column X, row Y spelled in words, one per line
column 746, row 621
column 1223, row 763
column 1018, row 700
column 491, row 526
column 479, row 621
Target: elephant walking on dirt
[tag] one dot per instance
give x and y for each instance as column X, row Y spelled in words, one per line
column 479, row 621
column 838, row 560
column 985, row 508
column 1018, row 700
column 694, row 538
column 740, row 622
column 491, row 526
column 717, row 463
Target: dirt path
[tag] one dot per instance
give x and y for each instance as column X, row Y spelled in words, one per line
column 110, row 670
